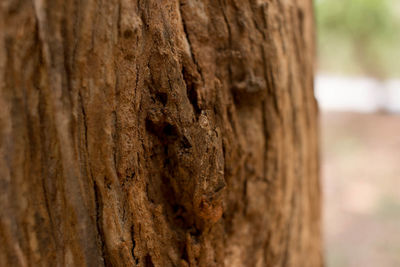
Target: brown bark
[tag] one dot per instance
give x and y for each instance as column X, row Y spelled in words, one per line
column 158, row 133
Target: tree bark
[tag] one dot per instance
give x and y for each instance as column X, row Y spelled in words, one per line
column 158, row 133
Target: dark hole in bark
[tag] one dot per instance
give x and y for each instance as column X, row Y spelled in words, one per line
column 148, row 261
column 191, row 90
column 129, row 57
column 192, row 95
column 128, row 34
column 186, row 143
column 130, row 176
column 162, row 97
column 170, row 130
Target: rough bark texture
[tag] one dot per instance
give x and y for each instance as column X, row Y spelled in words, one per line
column 158, row 133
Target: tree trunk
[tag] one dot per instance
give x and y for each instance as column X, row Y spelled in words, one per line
column 158, row 133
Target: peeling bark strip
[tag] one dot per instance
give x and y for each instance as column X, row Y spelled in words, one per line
column 158, row 133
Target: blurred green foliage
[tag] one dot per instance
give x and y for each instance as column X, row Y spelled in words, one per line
column 359, row 36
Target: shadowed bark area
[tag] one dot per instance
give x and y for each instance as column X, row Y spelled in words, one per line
column 158, row 133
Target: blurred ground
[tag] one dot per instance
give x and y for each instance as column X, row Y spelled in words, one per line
column 361, row 183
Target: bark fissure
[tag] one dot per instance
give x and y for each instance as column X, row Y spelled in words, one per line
column 99, row 227
column 187, row 36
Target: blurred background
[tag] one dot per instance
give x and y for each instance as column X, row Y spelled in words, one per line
column 358, row 89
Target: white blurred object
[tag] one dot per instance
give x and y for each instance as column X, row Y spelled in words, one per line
column 357, row 94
